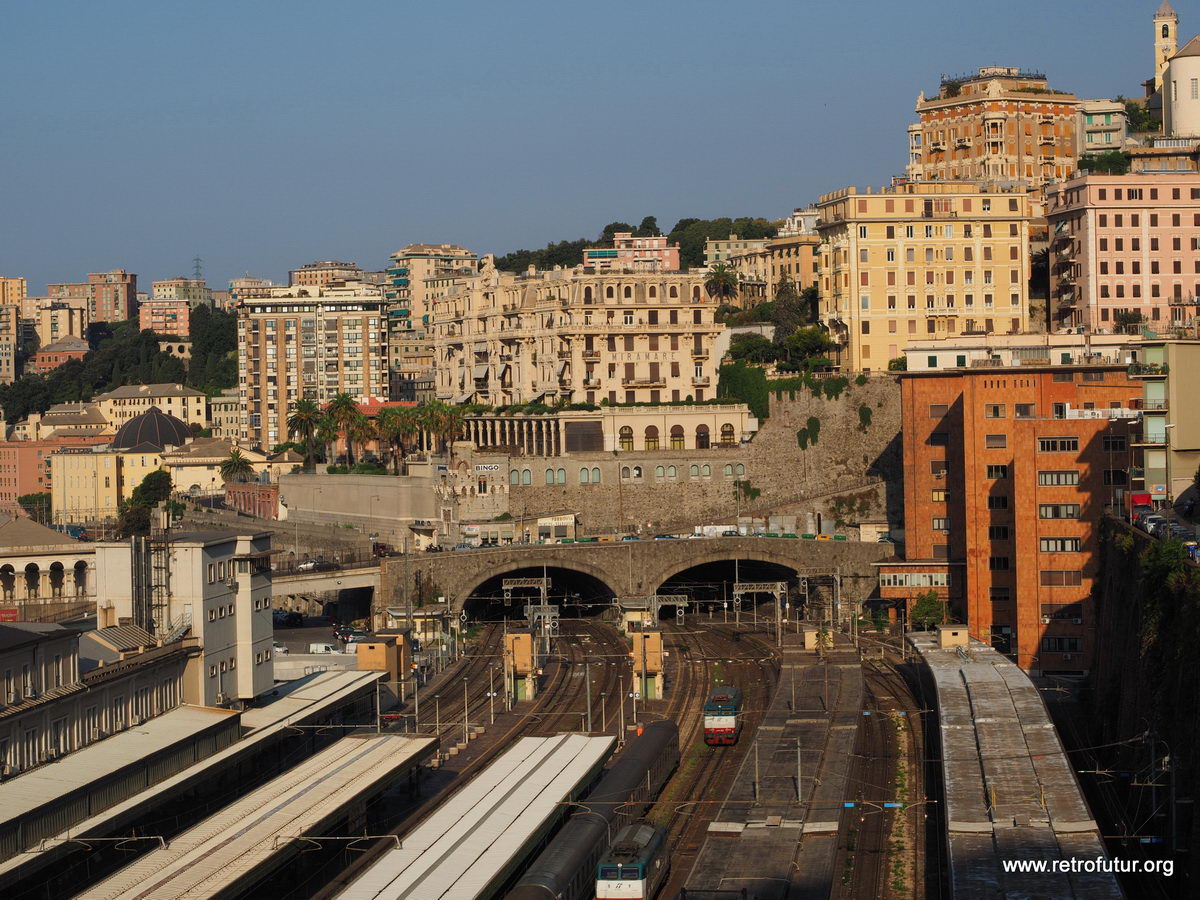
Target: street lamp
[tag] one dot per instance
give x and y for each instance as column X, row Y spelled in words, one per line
column 466, row 737
column 1170, row 486
column 437, row 716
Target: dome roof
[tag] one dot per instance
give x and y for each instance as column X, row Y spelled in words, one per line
column 152, row 427
column 1191, row 48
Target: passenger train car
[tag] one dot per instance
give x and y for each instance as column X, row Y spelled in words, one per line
column 723, row 716
column 636, row 866
column 566, row 869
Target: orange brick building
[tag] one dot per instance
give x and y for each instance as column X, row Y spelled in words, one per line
column 1008, row 472
column 25, row 467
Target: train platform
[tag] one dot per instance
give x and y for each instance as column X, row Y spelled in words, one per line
column 1010, row 792
column 475, row 840
column 234, row 850
column 115, row 803
column 764, row 840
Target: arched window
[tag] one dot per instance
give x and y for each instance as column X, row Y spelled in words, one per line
column 595, row 475
column 696, row 292
column 526, row 476
column 514, row 477
column 653, row 292
column 676, row 437
column 628, row 292
column 728, row 470
column 674, row 291
column 671, row 472
column 637, row 471
column 587, row 294
column 562, row 476
column 651, row 437
column 625, row 437
column 624, row 471
column 741, row 470
column 608, row 292
column 701, row 437
column 706, row 471
column 727, row 433
column 659, row 471
column 549, row 476
column 585, row 475
column 694, row 471
column 1166, row 31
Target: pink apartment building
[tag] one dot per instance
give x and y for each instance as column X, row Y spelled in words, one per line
column 168, row 317
column 652, row 254
column 1124, row 244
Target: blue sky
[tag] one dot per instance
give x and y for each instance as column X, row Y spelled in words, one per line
column 264, row 135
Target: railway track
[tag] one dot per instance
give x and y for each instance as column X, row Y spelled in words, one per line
column 880, row 854
column 703, row 658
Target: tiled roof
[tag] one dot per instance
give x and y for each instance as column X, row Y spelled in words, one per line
column 135, row 391
column 27, row 533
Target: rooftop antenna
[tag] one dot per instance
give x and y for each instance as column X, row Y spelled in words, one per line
column 197, row 272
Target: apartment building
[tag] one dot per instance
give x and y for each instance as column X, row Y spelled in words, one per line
column 129, row 401
column 417, row 275
column 10, row 341
column 1063, row 348
column 323, row 272
column 641, row 254
column 225, row 415
column 12, row 289
column 794, row 257
column 308, row 344
column 1008, row 472
column 166, row 316
column 1125, row 246
column 919, row 261
column 110, row 296
column 1170, row 443
column 51, row 321
column 723, row 250
column 577, row 335
column 218, row 585
column 25, row 467
column 1100, row 126
column 1002, row 124
column 194, row 290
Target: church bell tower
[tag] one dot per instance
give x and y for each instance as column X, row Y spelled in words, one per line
column 1166, row 36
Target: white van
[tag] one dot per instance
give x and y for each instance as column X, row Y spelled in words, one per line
column 322, row 648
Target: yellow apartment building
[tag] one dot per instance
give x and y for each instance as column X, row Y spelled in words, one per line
column 12, row 290
column 920, row 261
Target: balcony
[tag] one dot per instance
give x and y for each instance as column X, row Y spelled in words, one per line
column 1154, row 438
column 937, row 146
column 563, row 354
column 938, row 214
column 1154, row 405
column 699, row 354
column 644, row 382
column 591, row 382
column 1149, row 370
column 962, row 143
column 591, row 355
column 700, row 380
column 1046, row 140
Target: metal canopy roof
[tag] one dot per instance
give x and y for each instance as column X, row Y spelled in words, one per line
column 471, row 840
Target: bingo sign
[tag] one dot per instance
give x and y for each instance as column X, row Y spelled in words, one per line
column 9, row 614
column 487, row 467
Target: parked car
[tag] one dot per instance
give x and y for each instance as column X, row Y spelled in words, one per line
column 630, row 537
column 665, row 537
column 732, row 532
column 1139, row 512
column 1149, row 522
column 279, row 649
column 322, row 648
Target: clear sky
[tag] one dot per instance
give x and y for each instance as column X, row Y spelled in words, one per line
column 264, row 135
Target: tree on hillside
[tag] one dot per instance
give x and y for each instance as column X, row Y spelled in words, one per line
column 36, row 506
column 326, row 436
column 805, row 345
column 397, row 426
column 213, row 366
column 648, row 228
column 791, row 311
column 752, row 348
column 134, row 517
column 928, row 611
column 613, row 228
column 1111, row 162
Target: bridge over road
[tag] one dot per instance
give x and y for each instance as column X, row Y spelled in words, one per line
column 626, row 568
column 361, row 575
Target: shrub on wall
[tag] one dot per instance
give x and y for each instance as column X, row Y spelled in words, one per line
column 747, row 384
column 864, row 417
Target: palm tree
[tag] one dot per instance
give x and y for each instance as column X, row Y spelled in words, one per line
column 359, row 430
column 303, row 424
column 236, row 467
column 443, row 420
column 722, row 283
column 396, row 425
column 342, row 409
column 327, row 435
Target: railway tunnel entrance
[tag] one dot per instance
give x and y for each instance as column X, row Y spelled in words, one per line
column 721, row 588
column 578, row 593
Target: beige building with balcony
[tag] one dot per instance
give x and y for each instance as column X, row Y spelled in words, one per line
column 1001, row 125
column 572, row 335
column 1100, row 126
column 51, row 321
column 1170, row 440
column 308, row 343
column 12, row 289
column 1124, row 246
column 921, row 261
column 323, row 272
column 10, row 340
column 194, row 290
column 794, row 257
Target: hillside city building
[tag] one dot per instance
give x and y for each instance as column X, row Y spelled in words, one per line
column 323, row 272
column 1124, row 250
column 629, row 253
column 921, row 261
column 570, row 334
column 308, row 343
column 110, row 296
column 1008, row 473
